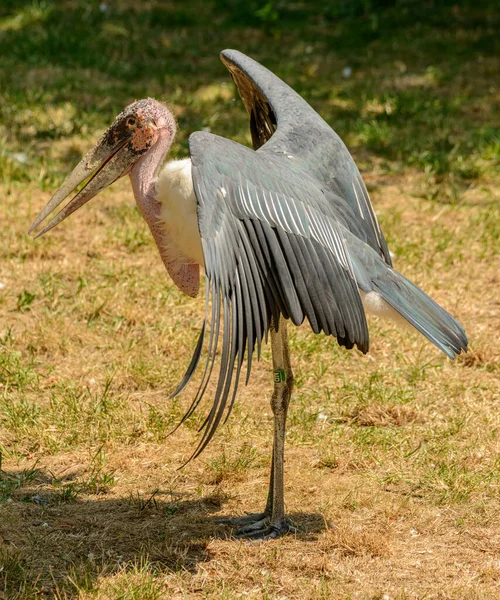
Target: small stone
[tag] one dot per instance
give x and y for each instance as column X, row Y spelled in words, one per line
column 40, row 500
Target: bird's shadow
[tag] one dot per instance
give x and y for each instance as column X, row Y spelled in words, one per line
column 59, row 541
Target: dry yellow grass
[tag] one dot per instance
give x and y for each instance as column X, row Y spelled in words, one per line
column 392, row 469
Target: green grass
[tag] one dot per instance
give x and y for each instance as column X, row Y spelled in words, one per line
column 11, row 483
column 418, row 95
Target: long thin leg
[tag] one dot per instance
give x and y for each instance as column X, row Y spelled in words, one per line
column 268, row 511
column 261, row 526
column 283, row 386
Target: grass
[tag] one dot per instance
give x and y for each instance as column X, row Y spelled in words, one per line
column 392, row 469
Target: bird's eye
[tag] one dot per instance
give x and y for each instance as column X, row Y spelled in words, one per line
column 131, row 121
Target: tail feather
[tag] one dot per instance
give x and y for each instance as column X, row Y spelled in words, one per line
column 373, row 275
column 421, row 311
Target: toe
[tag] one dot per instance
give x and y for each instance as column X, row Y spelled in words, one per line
column 264, row 530
column 255, row 526
column 242, row 521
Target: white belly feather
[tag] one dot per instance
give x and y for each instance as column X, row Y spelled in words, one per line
column 178, row 209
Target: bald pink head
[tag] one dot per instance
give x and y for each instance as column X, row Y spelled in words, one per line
column 141, row 122
column 136, row 141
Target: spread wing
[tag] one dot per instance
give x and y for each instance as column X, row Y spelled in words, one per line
column 272, row 244
column 282, row 122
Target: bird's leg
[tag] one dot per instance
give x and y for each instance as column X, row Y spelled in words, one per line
column 268, row 511
column 273, row 523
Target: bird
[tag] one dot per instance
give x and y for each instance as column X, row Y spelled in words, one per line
column 285, row 232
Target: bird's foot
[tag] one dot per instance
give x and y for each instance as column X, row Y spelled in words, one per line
column 246, row 524
column 240, row 521
column 259, row 527
column 266, row 529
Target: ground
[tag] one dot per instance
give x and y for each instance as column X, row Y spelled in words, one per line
column 392, row 459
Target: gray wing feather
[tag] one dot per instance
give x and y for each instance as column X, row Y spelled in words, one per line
column 289, row 230
column 283, row 123
column 267, row 252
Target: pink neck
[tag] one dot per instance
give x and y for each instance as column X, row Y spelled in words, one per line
column 144, row 175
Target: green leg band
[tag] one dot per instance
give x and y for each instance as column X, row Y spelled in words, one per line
column 279, row 376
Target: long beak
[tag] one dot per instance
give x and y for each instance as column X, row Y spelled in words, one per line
column 101, row 166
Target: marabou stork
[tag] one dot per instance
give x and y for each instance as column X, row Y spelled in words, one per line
column 285, row 232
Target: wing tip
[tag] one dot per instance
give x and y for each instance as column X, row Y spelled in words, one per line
column 230, row 55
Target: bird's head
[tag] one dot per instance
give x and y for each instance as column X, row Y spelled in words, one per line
column 135, row 131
